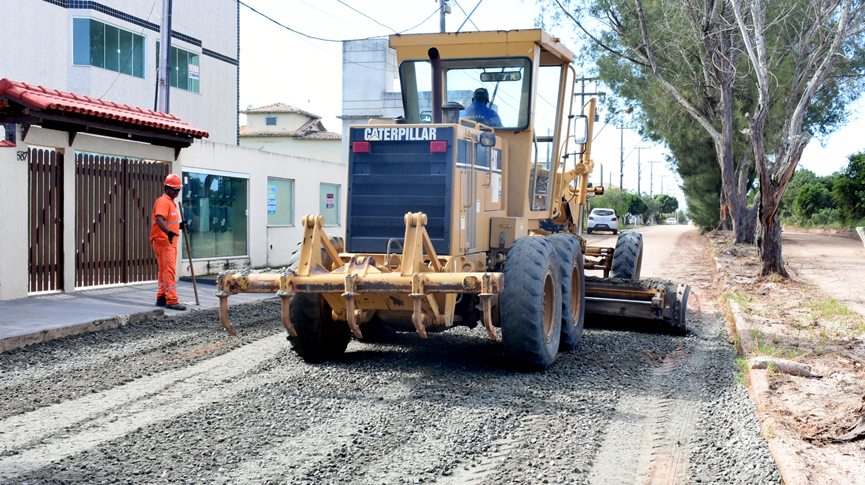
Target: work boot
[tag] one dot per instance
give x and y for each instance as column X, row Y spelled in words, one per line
column 176, row 306
column 160, row 301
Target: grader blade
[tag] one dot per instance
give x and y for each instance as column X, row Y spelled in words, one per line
column 642, row 303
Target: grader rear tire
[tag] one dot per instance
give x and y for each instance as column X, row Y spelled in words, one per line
column 628, row 256
column 531, row 304
column 573, row 282
column 319, row 337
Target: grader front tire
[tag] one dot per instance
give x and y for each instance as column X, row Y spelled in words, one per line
column 531, row 304
column 573, row 282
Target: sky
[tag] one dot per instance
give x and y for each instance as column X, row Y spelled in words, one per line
column 277, row 65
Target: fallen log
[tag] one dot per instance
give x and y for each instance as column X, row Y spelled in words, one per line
column 782, row 365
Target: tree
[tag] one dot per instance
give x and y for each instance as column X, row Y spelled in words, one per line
column 729, row 68
column 636, row 206
column 667, row 204
column 691, row 56
column 810, row 199
column 801, row 177
column 814, row 37
column 850, row 190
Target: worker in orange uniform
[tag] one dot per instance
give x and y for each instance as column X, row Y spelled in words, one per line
column 164, row 233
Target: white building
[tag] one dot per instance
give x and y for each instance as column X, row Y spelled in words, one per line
column 108, row 50
column 95, row 161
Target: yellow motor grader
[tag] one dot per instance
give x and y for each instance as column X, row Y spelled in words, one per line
column 468, row 209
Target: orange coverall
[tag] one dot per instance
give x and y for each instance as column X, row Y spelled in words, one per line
column 166, row 253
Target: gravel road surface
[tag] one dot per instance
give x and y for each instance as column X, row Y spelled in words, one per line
column 178, row 401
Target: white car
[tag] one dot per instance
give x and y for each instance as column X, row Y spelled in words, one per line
column 672, row 220
column 603, row 220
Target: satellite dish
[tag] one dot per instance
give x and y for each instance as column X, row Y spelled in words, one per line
column 249, row 107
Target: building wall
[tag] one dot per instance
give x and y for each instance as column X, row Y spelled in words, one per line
column 275, row 248
column 327, row 150
column 22, row 59
column 39, row 51
column 257, row 122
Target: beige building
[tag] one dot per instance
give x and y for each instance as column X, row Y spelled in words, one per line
column 280, row 128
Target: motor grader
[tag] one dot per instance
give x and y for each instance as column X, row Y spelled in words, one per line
column 454, row 219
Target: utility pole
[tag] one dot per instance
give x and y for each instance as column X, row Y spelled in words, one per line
column 622, row 151
column 444, row 9
column 639, row 169
column 622, row 155
column 165, row 58
column 651, row 176
column 662, row 184
column 582, row 94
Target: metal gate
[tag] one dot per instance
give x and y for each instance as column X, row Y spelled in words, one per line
column 114, row 201
column 45, row 192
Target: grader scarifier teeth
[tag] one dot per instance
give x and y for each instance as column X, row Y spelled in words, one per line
column 421, row 275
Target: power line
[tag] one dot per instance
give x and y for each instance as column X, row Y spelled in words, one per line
column 330, row 40
column 467, row 15
column 365, row 15
column 130, row 57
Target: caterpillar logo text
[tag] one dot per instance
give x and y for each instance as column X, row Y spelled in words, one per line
column 399, row 134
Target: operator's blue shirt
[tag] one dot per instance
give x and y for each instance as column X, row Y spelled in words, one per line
column 480, row 109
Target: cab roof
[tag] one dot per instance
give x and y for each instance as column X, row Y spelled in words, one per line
column 499, row 43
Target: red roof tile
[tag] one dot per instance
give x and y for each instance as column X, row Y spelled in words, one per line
column 52, row 99
column 7, row 144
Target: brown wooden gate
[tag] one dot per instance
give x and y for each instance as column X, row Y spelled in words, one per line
column 45, row 192
column 114, row 202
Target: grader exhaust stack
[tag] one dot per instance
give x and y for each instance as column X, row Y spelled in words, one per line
column 463, row 222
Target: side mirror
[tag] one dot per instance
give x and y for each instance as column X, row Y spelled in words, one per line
column 581, row 129
column 487, row 140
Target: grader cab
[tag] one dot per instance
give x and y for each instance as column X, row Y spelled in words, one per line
column 468, row 209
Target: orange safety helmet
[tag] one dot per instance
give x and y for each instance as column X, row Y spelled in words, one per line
column 173, row 181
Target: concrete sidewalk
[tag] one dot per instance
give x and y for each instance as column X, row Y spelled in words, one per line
column 45, row 317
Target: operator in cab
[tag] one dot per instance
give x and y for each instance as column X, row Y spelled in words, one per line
column 479, row 109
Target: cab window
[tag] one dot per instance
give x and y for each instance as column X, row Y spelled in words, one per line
column 506, row 80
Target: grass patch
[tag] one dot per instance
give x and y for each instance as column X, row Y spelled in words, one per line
column 743, row 377
column 835, row 318
column 740, row 298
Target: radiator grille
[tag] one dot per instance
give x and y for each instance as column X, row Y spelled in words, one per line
column 397, row 177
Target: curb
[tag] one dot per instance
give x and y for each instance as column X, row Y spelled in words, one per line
column 759, row 387
column 19, row 341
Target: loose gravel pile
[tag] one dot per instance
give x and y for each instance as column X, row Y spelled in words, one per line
column 217, row 409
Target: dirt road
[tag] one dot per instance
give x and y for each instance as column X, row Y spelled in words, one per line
column 835, row 263
column 177, row 400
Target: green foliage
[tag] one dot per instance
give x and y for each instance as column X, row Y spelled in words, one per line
column 667, row 204
column 616, row 199
column 812, row 198
column 849, row 189
column 636, row 206
column 801, row 177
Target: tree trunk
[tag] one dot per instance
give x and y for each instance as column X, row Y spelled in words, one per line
column 749, row 223
column 769, row 239
column 725, row 220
